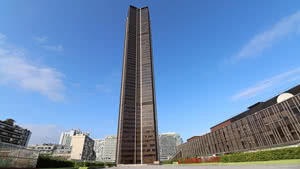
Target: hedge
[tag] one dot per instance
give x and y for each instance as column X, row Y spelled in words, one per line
column 168, row 161
column 279, row 154
column 88, row 164
column 52, row 162
column 109, row 164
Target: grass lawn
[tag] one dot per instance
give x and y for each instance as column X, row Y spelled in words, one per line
column 296, row 161
column 61, row 168
column 70, row 168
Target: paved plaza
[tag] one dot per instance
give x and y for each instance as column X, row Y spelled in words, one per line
column 292, row 166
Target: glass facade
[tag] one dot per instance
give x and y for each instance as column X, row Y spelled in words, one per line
column 137, row 130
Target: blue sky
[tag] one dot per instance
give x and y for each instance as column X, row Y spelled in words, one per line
column 61, row 61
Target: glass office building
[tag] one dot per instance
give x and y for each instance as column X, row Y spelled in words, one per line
column 137, row 141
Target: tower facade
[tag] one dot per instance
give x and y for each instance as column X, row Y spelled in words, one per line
column 137, row 141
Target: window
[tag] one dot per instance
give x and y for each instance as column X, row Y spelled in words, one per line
column 273, row 138
column 295, row 110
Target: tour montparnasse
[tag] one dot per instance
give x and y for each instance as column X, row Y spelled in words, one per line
column 137, row 127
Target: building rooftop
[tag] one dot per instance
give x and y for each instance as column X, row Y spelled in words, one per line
column 260, row 105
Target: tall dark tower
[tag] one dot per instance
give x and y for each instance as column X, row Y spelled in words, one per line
column 137, row 129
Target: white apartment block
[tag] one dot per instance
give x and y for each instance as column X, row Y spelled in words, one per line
column 109, row 151
column 66, row 137
column 99, row 148
column 167, row 145
column 82, row 147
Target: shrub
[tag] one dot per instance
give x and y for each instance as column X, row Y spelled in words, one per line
column 279, row 154
column 49, row 162
column 79, row 164
column 88, row 164
column 167, row 162
column 109, row 164
column 181, row 161
column 52, row 162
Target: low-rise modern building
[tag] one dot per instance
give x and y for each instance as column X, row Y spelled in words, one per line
column 62, row 149
column 56, row 150
column 63, row 152
column 82, row 147
column 167, row 145
column 109, row 151
column 43, row 148
column 13, row 134
column 98, row 148
column 268, row 124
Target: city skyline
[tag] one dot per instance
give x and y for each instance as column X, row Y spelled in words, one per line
column 62, row 70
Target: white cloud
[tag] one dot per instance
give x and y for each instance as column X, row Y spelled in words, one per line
column 53, row 48
column 2, row 37
column 41, row 39
column 16, row 70
column 44, row 133
column 261, row 41
column 103, row 88
column 275, row 81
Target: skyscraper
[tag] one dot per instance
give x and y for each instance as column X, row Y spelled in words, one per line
column 137, row 141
